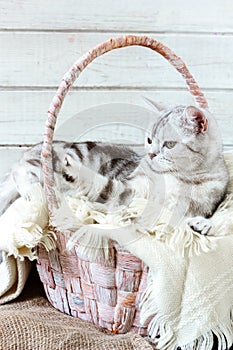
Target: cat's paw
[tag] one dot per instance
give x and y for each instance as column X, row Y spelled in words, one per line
column 200, row 224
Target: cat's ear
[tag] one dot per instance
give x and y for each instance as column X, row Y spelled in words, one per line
column 197, row 118
column 158, row 106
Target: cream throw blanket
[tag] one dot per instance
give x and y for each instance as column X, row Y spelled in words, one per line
column 190, row 288
column 22, row 227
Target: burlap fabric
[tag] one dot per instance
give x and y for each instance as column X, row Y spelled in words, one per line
column 31, row 323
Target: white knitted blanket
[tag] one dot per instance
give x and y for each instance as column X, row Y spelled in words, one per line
column 190, row 298
column 190, row 289
column 22, row 227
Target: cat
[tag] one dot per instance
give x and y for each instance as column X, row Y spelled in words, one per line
column 183, row 168
column 109, row 160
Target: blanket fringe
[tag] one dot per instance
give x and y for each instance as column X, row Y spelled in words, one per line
column 159, row 331
column 164, row 336
column 183, row 239
column 48, row 239
column 25, row 239
column 220, row 334
column 89, row 244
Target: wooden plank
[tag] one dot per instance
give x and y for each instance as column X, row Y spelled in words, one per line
column 121, row 15
column 97, row 114
column 41, row 60
column 8, row 156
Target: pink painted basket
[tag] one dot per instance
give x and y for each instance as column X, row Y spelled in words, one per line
column 105, row 293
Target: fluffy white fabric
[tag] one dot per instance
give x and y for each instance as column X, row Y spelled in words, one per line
column 22, row 227
column 13, row 273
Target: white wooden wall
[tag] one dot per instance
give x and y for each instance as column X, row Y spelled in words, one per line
column 39, row 41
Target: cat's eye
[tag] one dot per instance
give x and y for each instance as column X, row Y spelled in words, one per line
column 149, row 140
column 169, row 144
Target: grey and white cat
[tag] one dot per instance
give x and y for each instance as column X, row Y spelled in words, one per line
column 183, row 168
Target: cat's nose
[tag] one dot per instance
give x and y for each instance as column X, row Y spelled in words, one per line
column 151, row 155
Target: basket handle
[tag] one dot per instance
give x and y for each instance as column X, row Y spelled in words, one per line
column 70, row 77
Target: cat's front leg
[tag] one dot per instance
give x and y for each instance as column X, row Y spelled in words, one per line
column 90, row 182
column 200, row 224
column 95, row 186
column 24, row 178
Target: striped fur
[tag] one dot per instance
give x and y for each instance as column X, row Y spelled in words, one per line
column 111, row 162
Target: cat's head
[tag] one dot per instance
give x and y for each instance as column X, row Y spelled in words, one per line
column 179, row 140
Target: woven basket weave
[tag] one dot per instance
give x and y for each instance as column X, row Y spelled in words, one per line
column 106, row 293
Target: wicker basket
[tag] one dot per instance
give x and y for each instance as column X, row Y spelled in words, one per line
column 104, row 293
